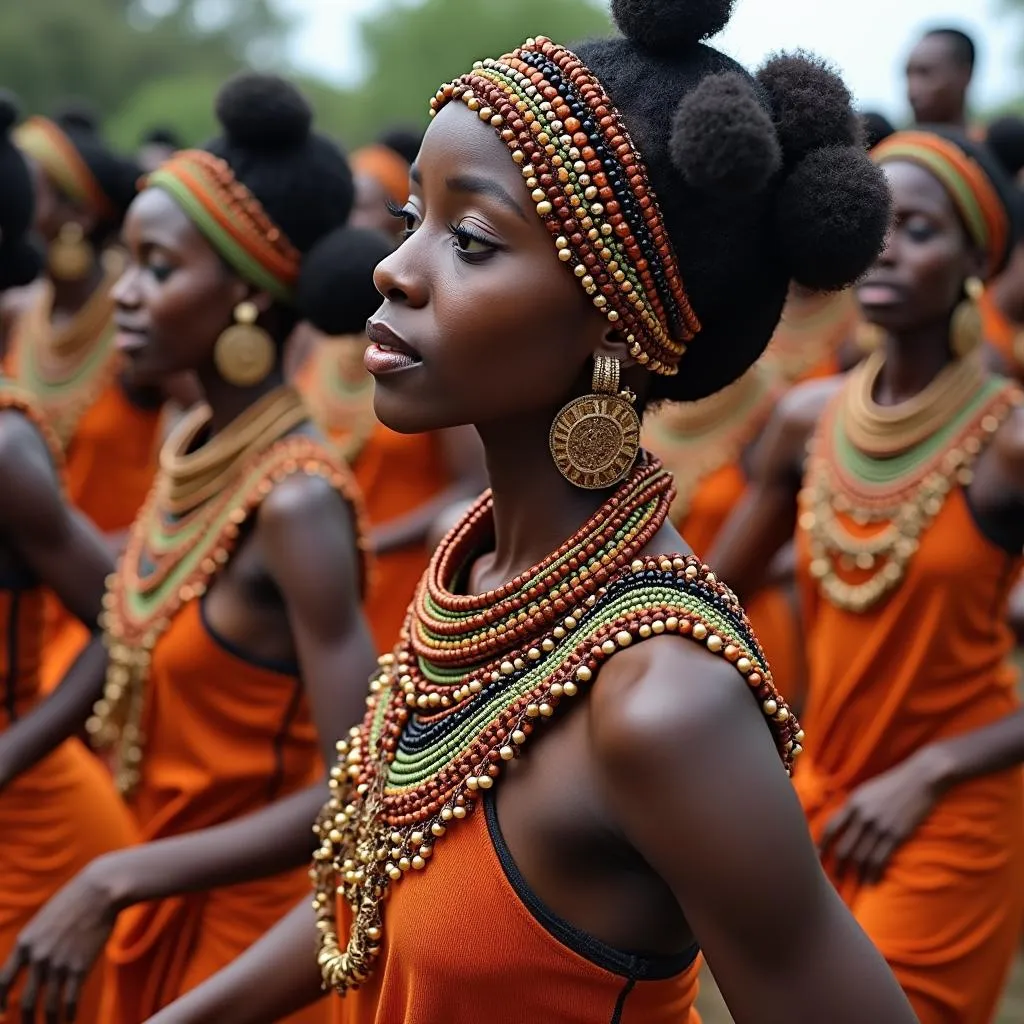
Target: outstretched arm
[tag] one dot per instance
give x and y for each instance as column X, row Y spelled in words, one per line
column 697, row 787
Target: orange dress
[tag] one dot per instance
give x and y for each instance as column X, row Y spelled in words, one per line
column 110, row 443
column 224, row 737
column 573, row 978
column 926, row 663
column 1003, row 335
column 396, row 473
column 63, row 813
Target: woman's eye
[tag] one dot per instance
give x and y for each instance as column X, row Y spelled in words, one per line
column 468, row 242
column 405, row 213
column 161, row 271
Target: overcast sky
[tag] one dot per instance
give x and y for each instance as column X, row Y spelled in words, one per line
column 868, row 39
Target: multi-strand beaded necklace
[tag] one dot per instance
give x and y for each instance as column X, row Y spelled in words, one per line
column 474, row 676
column 590, row 187
column 696, row 439
column 184, row 535
column 891, row 469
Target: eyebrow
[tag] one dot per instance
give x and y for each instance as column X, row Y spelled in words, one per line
column 485, row 187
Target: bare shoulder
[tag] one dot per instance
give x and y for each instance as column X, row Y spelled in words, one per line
column 300, row 501
column 801, row 407
column 30, row 481
column 664, row 698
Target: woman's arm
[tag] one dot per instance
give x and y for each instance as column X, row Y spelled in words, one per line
column 695, row 783
column 464, row 459
column 275, row 977
column 63, row 551
column 764, row 521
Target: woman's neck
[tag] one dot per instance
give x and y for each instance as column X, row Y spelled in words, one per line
column 226, row 401
column 912, row 361
column 69, row 297
column 535, row 508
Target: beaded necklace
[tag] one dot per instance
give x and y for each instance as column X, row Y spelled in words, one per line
column 696, row 439
column 474, row 676
column 899, row 494
column 341, row 406
column 184, row 535
column 66, row 369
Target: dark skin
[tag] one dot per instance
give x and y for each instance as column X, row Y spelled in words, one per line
column 290, row 593
column 937, row 83
column 599, row 816
column 911, row 293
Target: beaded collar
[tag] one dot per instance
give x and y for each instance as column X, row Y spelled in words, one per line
column 473, row 677
column 590, row 187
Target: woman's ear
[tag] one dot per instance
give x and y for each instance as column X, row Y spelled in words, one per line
column 613, row 344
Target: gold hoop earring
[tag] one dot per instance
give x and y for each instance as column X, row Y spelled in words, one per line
column 244, row 354
column 966, row 329
column 594, row 440
column 69, row 257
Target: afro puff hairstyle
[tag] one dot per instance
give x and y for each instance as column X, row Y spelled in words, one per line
column 301, row 178
column 762, row 180
column 1005, row 138
column 20, row 260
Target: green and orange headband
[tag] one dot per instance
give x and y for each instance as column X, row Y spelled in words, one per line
column 590, row 187
column 47, row 144
column 231, row 219
column 975, row 197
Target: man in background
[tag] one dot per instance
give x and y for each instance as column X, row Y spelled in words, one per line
column 939, row 73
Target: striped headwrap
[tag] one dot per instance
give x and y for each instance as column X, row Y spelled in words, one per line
column 590, row 188
column 975, row 196
column 47, row 144
column 231, row 219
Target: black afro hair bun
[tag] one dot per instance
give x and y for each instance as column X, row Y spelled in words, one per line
column 336, row 292
column 77, row 116
column 263, row 112
column 1005, row 139
column 723, row 140
column 9, row 113
column 832, row 213
column 21, row 262
column 666, row 26
column 811, row 105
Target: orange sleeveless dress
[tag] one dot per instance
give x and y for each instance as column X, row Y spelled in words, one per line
column 110, row 444
column 926, row 663
column 396, row 474
column 573, row 978
column 63, row 813
column 224, row 737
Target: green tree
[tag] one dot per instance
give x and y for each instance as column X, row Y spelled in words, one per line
column 410, row 48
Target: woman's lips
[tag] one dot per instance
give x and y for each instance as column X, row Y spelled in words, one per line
column 387, row 352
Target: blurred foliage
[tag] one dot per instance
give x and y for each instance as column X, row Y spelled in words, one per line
column 142, row 63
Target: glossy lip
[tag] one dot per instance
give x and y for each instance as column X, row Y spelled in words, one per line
column 879, row 293
column 129, row 338
column 385, row 338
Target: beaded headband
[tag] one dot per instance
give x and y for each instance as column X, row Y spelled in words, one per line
column 591, row 189
column 232, row 219
column 970, row 188
column 43, row 141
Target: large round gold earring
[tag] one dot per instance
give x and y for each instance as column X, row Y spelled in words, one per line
column 966, row 329
column 69, row 257
column 244, row 354
column 595, row 439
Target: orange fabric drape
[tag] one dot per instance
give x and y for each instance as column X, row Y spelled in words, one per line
column 483, row 943
column 1003, row 335
column 773, row 611
column 55, row 818
column 224, row 738
column 927, row 663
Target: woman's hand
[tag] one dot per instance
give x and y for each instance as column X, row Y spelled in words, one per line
column 58, row 947
column 881, row 815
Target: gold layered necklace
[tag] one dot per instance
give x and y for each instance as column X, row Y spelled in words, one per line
column 184, row 535
column 67, row 368
column 696, row 439
column 889, row 470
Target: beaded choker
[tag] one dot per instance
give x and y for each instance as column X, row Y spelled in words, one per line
column 67, row 368
column 178, row 545
column 696, row 439
column 892, row 500
column 591, row 189
column 473, row 677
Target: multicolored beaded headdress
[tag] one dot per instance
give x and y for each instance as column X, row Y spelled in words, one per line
column 591, row 189
column 47, row 144
column 970, row 188
column 232, row 219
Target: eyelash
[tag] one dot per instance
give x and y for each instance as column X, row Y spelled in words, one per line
column 459, row 235
column 400, row 213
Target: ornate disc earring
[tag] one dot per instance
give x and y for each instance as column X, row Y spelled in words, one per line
column 966, row 329
column 594, row 440
column 68, row 256
column 244, row 354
